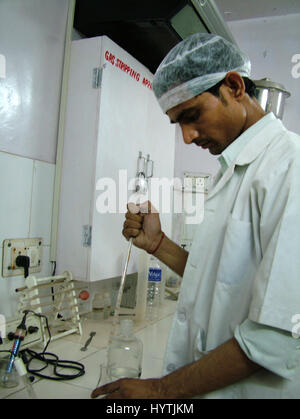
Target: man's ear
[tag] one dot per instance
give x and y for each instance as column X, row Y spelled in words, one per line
column 236, row 84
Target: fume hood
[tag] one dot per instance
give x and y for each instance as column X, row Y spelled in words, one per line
column 112, row 119
column 148, row 30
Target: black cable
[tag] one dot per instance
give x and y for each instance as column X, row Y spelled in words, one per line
column 54, row 267
column 55, row 362
column 53, row 274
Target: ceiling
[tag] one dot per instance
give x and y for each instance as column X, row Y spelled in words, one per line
column 251, row 9
column 143, row 27
column 140, row 27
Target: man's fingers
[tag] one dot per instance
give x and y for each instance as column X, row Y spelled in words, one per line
column 143, row 208
column 147, row 208
column 106, row 389
column 133, row 208
column 130, row 232
column 134, row 217
column 132, row 224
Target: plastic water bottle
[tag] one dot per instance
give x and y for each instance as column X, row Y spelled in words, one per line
column 154, row 289
column 125, row 353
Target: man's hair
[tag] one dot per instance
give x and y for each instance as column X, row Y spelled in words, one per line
column 249, row 86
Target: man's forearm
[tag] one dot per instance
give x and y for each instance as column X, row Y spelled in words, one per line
column 223, row 366
column 172, row 255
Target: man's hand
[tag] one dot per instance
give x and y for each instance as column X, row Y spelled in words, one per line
column 143, row 223
column 131, row 388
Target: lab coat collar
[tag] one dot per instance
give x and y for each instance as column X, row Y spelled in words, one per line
column 269, row 127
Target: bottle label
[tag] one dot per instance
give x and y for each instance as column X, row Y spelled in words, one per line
column 154, row 275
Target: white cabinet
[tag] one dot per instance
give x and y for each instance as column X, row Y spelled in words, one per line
column 106, row 128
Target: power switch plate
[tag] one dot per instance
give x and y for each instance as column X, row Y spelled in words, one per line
column 197, row 182
column 12, row 248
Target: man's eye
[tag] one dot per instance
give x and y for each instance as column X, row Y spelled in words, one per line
column 191, row 118
column 195, row 116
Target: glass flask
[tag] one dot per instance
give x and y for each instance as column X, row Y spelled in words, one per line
column 125, row 353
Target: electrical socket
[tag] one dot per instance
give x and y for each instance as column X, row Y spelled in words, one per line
column 12, row 248
column 192, row 183
column 188, row 183
column 34, row 253
column 15, row 252
column 200, row 183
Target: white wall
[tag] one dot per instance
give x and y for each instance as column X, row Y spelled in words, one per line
column 271, row 43
column 32, row 39
column 25, row 211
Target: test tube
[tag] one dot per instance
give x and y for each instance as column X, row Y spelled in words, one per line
column 149, row 167
column 141, row 164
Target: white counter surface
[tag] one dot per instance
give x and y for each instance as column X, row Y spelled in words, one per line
column 154, row 337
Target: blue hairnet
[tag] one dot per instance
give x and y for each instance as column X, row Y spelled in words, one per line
column 195, row 65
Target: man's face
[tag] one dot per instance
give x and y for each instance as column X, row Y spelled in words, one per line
column 210, row 122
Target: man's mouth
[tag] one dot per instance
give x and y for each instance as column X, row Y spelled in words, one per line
column 203, row 143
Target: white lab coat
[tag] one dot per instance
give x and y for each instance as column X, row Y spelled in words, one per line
column 244, row 263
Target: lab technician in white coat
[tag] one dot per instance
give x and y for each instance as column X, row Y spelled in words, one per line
column 232, row 334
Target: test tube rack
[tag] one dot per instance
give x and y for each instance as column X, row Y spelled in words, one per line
column 54, row 297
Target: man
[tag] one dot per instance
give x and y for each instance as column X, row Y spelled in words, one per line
column 232, row 333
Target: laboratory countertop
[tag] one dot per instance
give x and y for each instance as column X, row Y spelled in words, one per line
column 154, row 337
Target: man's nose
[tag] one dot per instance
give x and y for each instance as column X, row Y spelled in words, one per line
column 189, row 133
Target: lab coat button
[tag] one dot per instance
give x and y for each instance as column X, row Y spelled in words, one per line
column 170, row 367
column 292, row 363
